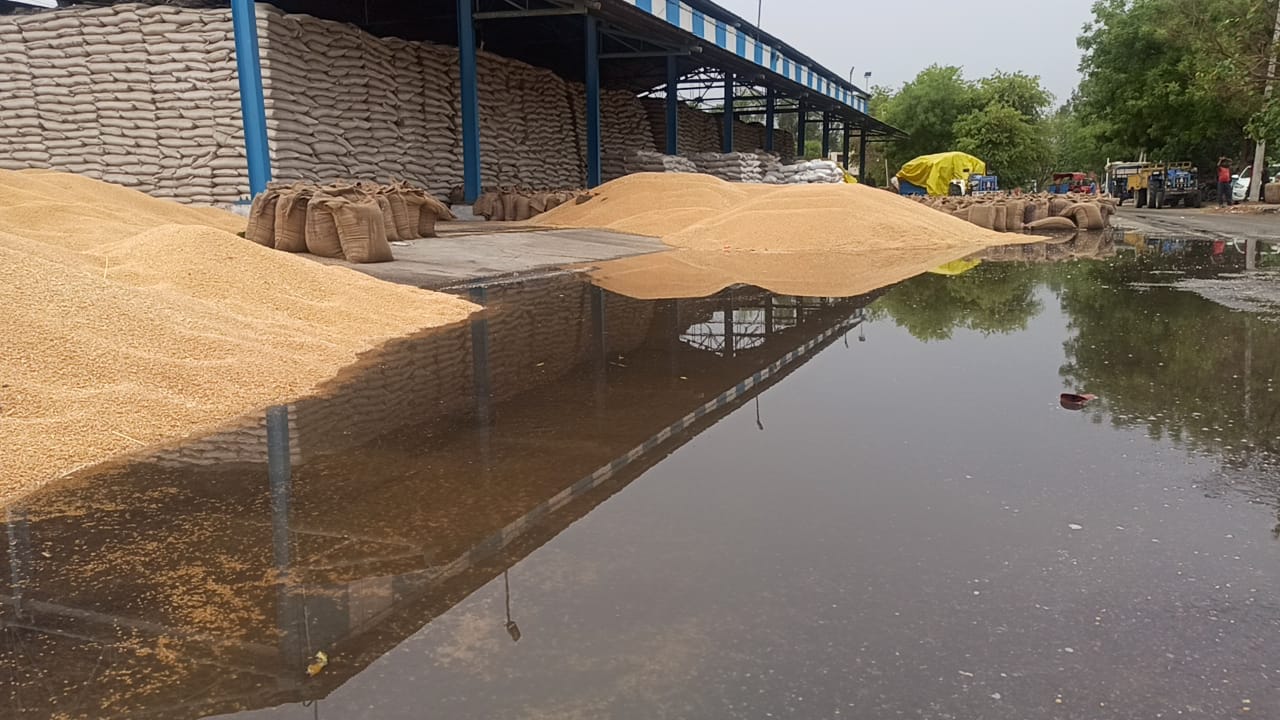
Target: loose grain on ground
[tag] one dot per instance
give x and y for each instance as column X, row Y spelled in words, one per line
column 830, row 240
column 134, row 321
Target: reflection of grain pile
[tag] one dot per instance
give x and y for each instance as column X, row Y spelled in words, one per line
column 142, row 321
column 801, row 239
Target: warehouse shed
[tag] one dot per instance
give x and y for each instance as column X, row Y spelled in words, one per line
column 206, row 102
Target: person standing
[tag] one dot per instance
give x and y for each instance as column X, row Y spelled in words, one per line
column 1224, row 183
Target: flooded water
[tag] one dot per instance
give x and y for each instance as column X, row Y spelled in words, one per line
column 580, row 505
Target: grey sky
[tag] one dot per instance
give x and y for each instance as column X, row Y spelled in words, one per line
column 896, row 40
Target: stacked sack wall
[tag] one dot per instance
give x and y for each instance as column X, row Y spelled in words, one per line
column 146, row 96
column 143, row 96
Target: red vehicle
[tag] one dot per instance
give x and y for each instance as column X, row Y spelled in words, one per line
column 1073, row 182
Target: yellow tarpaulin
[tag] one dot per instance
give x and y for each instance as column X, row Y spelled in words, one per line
column 956, row 267
column 935, row 172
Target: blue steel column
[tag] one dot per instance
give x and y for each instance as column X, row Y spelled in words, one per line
column 593, row 102
column 726, row 143
column 801, row 118
column 673, row 106
column 845, row 146
column 769, row 102
column 862, row 156
column 826, row 134
column 253, row 108
column 470, row 96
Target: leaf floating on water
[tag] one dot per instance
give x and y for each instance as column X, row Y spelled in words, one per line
column 318, row 663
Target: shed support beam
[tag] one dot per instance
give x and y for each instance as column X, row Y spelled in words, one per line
column 593, row 101
column 862, row 156
column 826, row 134
column 726, row 144
column 770, row 102
column 469, row 94
column 800, row 129
column 673, row 106
column 847, row 133
column 253, row 107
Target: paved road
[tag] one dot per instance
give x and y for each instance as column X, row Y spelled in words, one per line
column 1201, row 223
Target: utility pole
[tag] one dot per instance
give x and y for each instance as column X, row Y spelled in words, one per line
column 1260, row 155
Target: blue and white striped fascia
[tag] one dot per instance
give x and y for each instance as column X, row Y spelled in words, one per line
column 731, row 39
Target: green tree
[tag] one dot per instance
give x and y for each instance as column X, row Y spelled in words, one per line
column 1011, row 144
column 1174, row 78
column 1016, row 90
column 927, row 109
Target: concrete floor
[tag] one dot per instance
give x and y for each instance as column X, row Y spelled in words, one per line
column 468, row 251
column 1186, row 223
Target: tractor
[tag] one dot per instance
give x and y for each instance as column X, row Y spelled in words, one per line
column 1161, row 185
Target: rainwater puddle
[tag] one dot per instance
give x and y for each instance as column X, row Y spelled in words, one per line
column 579, row 505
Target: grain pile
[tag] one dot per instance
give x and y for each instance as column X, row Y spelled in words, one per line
column 136, row 321
column 820, row 239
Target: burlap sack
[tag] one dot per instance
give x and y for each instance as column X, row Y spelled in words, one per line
column 483, row 206
column 262, row 218
column 291, row 220
column 509, row 205
column 962, row 213
column 497, row 208
column 1271, row 193
column 1058, row 206
column 392, row 232
column 1052, row 224
column 524, row 208
column 999, row 218
column 538, row 203
column 322, row 226
column 984, row 216
column 1087, row 216
column 406, row 227
column 1015, row 215
column 361, row 229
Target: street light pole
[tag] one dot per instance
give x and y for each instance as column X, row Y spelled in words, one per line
column 851, row 69
column 759, row 10
column 1260, row 154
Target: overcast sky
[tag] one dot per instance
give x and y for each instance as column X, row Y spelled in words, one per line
column 896, row 40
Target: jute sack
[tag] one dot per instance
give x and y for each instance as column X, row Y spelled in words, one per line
column 428, row 210
column 1015, row 215
column 406, row 229
column 1271, row 193
column 483, row 206
column 1000, row 218
column 962, row 213
column 1058, row 206
column 1087, row 216
column 1053, row 224
column 361, row 229
column 262, row 218
column 291, row 220
column 524, row 208
column 322, row 226
column 984, row 216
column 388, row 216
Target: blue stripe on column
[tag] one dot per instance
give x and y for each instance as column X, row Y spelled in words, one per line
column 645, row 5
column 742, row 45
column 722, row 36
column 699, row 28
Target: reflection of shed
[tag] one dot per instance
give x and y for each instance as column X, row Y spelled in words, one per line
column 166, row 587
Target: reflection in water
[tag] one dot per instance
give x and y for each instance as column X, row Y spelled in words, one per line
column 204, row 579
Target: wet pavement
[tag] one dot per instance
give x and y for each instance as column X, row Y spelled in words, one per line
column 579, row 505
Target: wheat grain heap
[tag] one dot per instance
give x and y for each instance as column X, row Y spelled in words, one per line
column 131, row 321
column 816, row 240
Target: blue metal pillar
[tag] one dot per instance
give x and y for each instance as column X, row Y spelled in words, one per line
column 253, row 108
column 470, row 95
column 801, row 118
column 593, row 102
column 769, row 102
column 845, row 146
column 673, row 106
column 726, row 142
column 862, row 156
column 826, row 135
